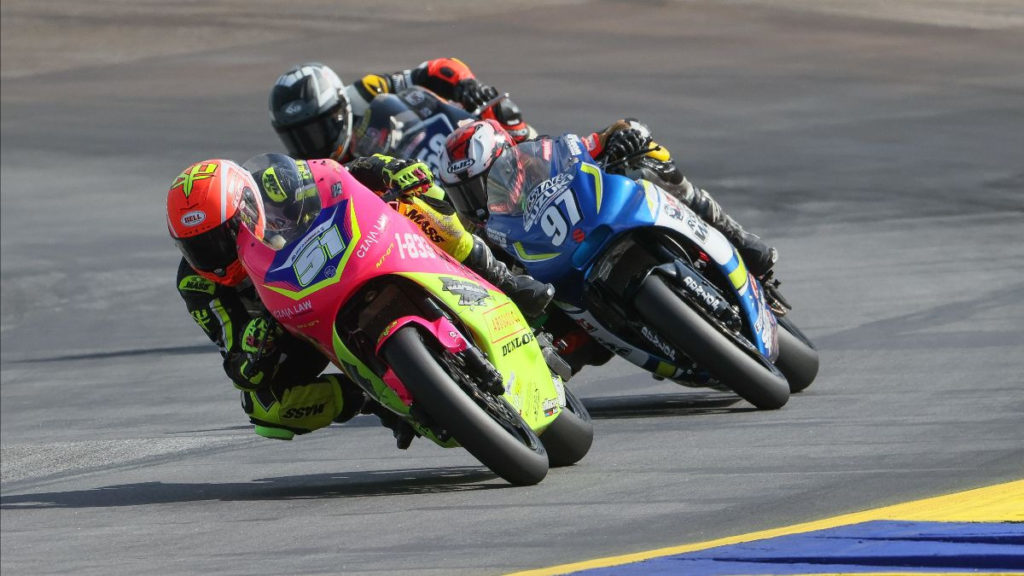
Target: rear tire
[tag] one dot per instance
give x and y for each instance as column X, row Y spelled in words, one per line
column 509, row 448
column 745, row 372
column 569, row 437
column 798, row 358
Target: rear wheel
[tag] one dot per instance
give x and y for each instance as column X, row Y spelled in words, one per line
column 569, row 437
column 733, row 361
column 484, row 424
column 798, row 358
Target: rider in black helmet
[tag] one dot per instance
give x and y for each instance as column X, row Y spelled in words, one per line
column 314, row 112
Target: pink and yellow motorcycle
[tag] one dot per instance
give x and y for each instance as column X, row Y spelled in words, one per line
column 423, row 335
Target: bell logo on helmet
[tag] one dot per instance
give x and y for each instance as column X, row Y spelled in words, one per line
column 193, row 218
column 460, row 165
column 293, row 108
column 200, row 171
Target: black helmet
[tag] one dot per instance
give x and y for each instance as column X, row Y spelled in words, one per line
column 291, row 201
column 311, row 113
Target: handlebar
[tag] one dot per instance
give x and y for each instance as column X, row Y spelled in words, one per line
column 490, row 103
column 629, row 158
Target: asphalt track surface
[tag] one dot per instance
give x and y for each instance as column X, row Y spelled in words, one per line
column 878, row 147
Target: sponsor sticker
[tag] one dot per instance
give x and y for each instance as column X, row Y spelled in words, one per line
column 515, row 343
column 497, row 236
column 574, row 145
column 193, row 218
column 196, row 284
column 297, row 309
column 460, row 165
column 504, row 322
column 542, row 195
column 660, row 344
column 470, row 293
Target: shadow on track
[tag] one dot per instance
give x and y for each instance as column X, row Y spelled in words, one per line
column 655, row 405
column 167, row 351
column 338, row 485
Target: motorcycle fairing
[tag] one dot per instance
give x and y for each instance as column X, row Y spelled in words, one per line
column 305, row 284
column 679, row 217
column 498, row 328
column 609, row 205
column 443, row 331
column 650, row 362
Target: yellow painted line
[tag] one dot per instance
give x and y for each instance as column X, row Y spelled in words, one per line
column 999, row 503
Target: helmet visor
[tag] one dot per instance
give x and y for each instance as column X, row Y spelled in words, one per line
column 504, row 186
column 212, row 251
column 316, row 138
column 469, row 197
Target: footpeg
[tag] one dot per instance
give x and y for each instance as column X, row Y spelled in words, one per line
column 779, row 305
column 555, row 363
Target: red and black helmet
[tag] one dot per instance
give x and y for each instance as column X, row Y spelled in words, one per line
column 480, row 167
column 206, row 204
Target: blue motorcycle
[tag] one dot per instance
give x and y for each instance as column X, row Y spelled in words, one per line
column 642, row 275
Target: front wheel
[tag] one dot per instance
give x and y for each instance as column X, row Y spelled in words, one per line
column 492, row 431
column 798, row 358
column 746, row 372
column 569, row 437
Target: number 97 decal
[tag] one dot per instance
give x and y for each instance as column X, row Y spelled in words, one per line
column 553, row 222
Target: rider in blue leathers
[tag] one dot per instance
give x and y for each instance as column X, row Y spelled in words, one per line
column 471, row 151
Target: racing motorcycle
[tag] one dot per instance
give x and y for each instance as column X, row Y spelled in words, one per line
column 423, row 335
column 643, row 276
column 415, row 122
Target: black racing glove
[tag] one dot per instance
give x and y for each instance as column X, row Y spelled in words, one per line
column 472, row 94
column 625, row 143
column 262, row 353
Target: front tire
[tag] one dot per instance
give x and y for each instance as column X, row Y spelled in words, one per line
column 798, row 358
column 569, row 437
column 746, row 372
column 510, row 449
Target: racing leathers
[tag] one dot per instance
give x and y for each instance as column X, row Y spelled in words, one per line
column 279, row 375
column 283, row 391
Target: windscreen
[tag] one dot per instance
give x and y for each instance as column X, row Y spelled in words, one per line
column 517, row 179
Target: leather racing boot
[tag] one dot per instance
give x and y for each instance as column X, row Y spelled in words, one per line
column 402, row 431
column 758, row 256
column 528, row 294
